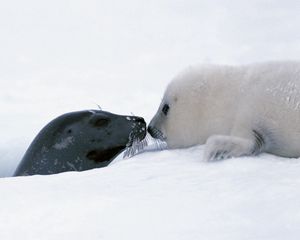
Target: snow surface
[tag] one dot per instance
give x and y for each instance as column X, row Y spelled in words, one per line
column 161, row 195
column 60, row 56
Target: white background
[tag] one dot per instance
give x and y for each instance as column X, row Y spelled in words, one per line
column 59, row 56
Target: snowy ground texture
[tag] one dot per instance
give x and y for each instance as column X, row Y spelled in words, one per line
column 60, row 56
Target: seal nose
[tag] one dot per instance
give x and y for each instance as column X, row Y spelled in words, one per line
column 139, row 120
column 138, row 126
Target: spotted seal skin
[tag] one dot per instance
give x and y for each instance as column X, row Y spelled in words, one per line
column 79, row 141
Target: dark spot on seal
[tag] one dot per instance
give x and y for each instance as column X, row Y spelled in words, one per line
column 69, row 131
column 103, row 155
column 259, row 142
column 92, row 155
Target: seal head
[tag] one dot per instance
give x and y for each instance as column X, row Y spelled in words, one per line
column 80, row 141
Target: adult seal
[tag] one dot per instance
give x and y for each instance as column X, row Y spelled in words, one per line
column 235, row 110
column 79, row 141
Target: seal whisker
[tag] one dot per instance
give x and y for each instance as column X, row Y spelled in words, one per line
column 136, row 147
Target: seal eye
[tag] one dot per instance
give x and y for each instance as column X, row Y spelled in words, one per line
column 101, row 122
column 165, row 109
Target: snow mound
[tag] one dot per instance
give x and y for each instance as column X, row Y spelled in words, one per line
column 170, row 194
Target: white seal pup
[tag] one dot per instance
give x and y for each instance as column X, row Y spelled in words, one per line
column 235, row 110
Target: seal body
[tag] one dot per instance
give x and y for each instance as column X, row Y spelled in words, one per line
column 235, row 110
column 80, row 141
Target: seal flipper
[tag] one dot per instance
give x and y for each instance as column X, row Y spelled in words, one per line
column 219, row 147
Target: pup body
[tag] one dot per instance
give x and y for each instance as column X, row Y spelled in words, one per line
column 235, row 110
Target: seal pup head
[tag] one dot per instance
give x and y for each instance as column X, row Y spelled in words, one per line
column 176, row 121
column 80, row 141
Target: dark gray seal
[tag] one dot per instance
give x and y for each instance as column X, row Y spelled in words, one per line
column 79, row 141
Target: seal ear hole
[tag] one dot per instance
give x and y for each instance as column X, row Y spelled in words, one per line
column 69, row 131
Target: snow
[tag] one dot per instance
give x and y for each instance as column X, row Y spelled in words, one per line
column 158, row 195
column 61, row 56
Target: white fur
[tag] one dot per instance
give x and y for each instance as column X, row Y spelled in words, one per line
column 233, row 102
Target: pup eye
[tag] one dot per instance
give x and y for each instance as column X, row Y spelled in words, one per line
column 165, row 109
